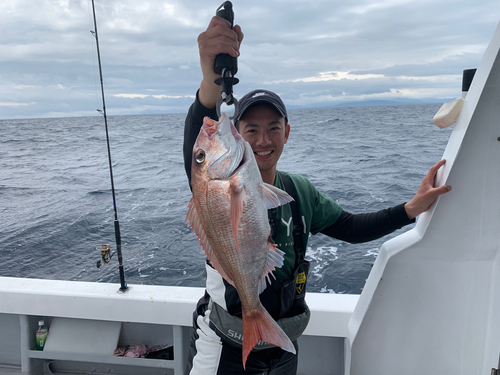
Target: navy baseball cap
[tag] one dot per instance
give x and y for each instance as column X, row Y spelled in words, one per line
column 261, row 96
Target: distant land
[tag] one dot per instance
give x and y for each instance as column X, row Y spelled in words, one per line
column 369, row 103
column 363, row 103
column 181, row 110
column 357, row 103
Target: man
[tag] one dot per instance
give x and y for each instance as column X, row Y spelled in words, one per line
column 263, row 123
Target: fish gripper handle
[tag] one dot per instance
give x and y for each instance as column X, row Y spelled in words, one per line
column 223, row 60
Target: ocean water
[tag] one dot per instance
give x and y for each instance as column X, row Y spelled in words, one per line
column 56, row 204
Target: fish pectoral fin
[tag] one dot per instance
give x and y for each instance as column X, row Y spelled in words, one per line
column 237, row 198
column 274, row 197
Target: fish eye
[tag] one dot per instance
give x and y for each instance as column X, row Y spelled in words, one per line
column 200, row 156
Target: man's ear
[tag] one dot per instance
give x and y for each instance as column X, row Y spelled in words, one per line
column 287, row 132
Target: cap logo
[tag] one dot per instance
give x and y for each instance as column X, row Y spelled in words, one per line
column 259, row 94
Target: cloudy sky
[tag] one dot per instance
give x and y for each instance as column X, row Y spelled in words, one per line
column 313, row 53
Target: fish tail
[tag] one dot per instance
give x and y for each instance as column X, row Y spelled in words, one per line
column 259, row 325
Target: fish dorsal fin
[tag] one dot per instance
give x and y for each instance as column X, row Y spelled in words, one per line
column 274, row 197
column 274, row 260
column 194, row 222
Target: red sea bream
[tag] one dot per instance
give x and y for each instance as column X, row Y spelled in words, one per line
column 228, row 213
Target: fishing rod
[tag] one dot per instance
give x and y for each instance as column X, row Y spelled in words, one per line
column 105, row 255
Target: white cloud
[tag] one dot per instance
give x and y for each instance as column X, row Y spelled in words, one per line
column 380, row 5
column 309, row 52
column 13, row 104
column 333, row 76
column 131, row 96
column 25, row 87
column 159, row 96
column 172, row 96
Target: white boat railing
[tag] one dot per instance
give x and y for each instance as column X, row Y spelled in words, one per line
column 146, row 313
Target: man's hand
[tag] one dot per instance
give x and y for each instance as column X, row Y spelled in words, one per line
column 426, row 193
column 218, row 38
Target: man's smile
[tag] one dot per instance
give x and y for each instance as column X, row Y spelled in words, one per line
column 262, row 153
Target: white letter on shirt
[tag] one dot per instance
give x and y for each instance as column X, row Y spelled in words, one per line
column 287, row 226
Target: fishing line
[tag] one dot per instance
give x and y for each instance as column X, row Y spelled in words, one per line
column 123, row 285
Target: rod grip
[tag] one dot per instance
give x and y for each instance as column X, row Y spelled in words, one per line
column 118, row 236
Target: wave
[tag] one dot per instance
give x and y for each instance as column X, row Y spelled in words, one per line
column 58, row 205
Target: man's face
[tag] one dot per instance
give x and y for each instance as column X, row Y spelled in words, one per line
column 266, row 131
